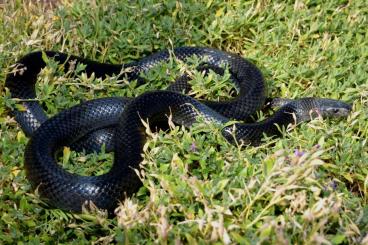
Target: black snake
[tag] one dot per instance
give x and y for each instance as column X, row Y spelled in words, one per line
column 117, row 122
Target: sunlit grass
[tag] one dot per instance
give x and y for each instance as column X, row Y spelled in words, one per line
column 311, row 186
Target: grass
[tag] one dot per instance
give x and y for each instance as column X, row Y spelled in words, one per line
column 311, row 186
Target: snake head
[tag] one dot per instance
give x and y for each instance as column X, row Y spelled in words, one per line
column 308, row 108
column 332, row 108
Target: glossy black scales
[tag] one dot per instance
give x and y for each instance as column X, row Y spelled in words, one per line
column 117, row 122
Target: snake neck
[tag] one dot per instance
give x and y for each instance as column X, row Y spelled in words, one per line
column 295, row 112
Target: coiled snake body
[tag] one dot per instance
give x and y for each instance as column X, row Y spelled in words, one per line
column 117, row 122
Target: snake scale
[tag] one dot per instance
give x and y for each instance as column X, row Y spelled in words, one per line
column 117, row 122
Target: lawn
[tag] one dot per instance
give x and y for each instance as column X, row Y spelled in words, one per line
column 308, row 187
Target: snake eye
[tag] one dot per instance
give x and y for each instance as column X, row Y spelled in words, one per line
column 335, row 110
